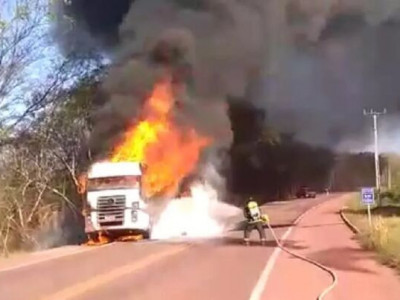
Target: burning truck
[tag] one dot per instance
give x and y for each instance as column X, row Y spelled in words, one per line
column 116, row 207
column 115, row 204
column 114, row 201
column 151, row 161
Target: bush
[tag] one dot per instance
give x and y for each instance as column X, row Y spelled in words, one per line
column 393, row 196
column 384, row 236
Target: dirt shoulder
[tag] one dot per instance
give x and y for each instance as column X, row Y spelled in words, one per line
column 384, row 235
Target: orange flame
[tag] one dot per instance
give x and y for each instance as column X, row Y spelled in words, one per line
column 101, row 239
column 167, row 151
column 82, row 184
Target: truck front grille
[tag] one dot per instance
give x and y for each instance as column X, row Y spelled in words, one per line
column 111, row 210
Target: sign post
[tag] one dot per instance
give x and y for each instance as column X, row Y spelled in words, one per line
column 368, row 198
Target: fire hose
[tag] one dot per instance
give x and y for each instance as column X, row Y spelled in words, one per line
column 301, row 257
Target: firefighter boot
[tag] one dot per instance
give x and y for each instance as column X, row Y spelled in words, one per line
column 246, row 242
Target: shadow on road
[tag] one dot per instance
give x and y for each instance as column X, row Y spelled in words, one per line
column 345, row 258
column 240, row 226
column 322, row 225
column 256, row 242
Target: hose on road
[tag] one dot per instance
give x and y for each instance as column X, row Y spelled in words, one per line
column 313, row 262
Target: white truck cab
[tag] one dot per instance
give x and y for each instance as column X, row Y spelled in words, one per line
column 114, row 202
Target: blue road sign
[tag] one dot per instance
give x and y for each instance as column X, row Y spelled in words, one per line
column 368, row 196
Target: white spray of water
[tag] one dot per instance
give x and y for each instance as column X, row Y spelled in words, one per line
column 200, row 216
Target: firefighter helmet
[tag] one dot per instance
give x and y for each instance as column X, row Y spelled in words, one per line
column 253, row 210
column 252, row 204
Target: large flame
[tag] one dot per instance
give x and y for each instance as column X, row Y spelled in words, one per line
column 168, row 152
column 82, row 184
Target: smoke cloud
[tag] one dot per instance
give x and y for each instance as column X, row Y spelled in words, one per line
column 333, row 72
column 314, row 65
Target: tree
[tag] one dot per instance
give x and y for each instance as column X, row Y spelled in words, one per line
column 40, row 171
column 45, row 104
column 21, row 34
column 32, row 71
column 269, row 163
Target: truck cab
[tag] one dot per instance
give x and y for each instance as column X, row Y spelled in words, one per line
column 114, row 203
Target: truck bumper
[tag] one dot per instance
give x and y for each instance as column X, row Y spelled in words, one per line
column 135, row 221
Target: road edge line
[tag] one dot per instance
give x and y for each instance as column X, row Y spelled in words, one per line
column 266, row 273
column 349, row 224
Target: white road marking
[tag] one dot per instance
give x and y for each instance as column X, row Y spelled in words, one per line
column 34, row 262
column 266, row 273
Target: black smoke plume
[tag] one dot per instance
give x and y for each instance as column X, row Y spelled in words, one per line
column 313, row 65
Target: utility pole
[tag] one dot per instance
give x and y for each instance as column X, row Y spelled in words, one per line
column 389, row 174
column 375, row 115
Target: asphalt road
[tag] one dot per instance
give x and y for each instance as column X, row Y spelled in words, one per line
column 323, row 237
column 209, row 269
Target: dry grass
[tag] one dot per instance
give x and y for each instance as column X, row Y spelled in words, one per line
column 384, row 236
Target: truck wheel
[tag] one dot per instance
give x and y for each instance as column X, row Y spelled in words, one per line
column 146, row 235
column 92, row 236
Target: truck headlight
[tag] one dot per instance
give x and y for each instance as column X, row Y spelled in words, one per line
column 134, row 216
column 135, row 205
column 89, row 206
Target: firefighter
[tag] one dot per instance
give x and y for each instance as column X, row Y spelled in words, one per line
column 254, row 220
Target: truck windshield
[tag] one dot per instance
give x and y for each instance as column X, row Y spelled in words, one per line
column 113, row 183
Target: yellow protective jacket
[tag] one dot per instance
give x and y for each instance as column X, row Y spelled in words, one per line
column 253, row 214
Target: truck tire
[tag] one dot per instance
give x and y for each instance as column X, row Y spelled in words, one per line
column 146, row 235
column 92, row 236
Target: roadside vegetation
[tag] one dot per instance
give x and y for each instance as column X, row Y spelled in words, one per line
column 44, row 102
column 384, row 236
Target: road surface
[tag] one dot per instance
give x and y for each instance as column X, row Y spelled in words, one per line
column 323, row 237
column 214, row 269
